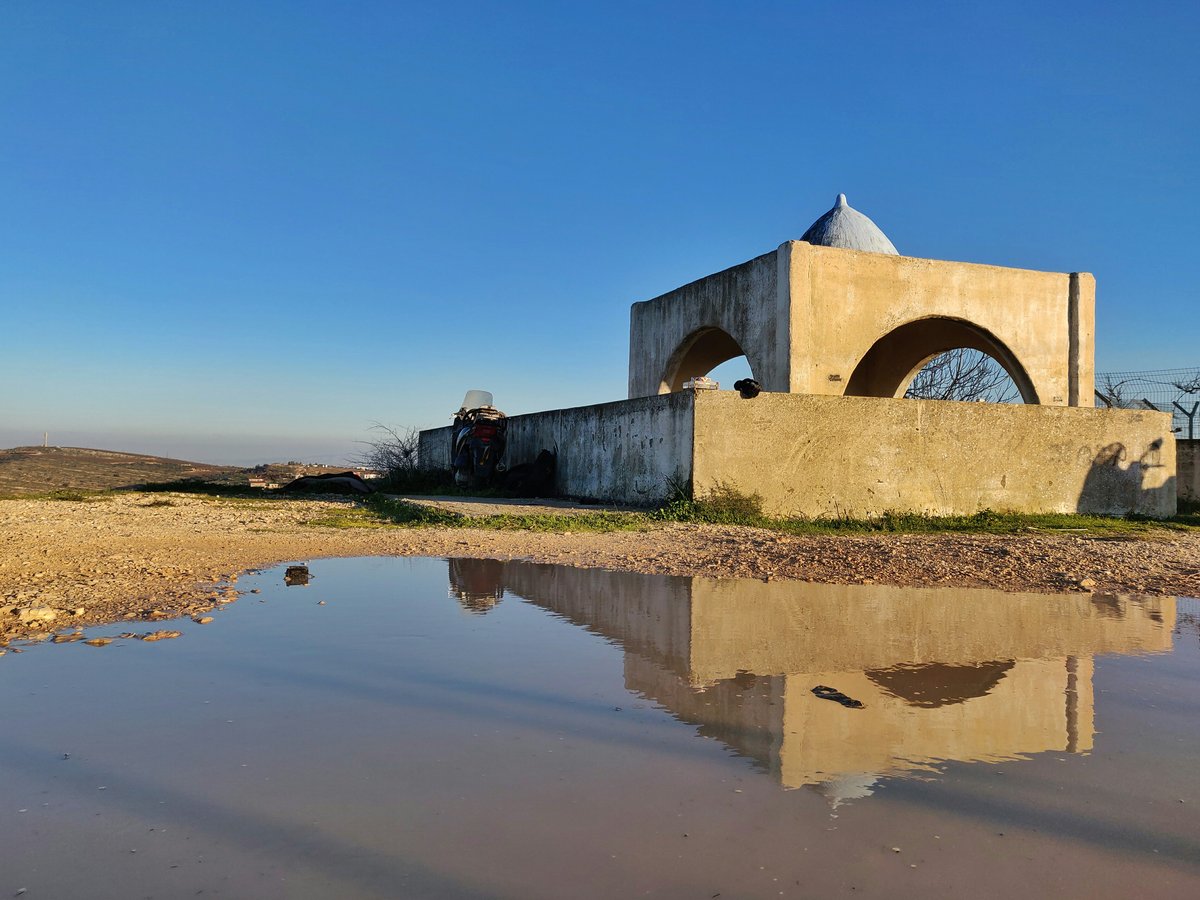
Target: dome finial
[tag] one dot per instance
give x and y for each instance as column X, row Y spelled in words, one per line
column 844, row 226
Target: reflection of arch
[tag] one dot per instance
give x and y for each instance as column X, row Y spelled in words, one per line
column 698, row 354
column 931, row 685
column 890, row 365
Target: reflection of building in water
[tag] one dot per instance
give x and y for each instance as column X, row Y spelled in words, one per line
column 478, row 584
column 943, row 674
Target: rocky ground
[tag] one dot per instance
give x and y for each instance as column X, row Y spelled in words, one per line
column 154, row 556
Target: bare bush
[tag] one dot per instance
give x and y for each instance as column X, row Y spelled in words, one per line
column 963, row 374
column 393, row 451
column 1112, row 393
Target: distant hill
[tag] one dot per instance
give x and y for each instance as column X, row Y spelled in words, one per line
column 35, row 470
column 31, row 470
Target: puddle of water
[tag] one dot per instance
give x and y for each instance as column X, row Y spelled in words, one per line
column 485, row 729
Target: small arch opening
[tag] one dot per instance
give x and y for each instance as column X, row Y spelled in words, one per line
column 941, row 359
column 711, row 352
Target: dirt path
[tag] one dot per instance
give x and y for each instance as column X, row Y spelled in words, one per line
column 147, row 556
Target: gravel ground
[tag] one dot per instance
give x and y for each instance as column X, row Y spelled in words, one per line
column 155, row 556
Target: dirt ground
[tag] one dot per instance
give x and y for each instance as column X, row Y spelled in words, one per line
column 155, row 556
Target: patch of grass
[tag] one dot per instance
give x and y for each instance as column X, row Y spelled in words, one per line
column 725, row 506
column 381, row 512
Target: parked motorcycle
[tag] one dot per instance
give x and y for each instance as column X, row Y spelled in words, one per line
column 479, row 441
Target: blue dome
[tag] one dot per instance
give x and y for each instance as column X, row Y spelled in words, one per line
column 845, row 227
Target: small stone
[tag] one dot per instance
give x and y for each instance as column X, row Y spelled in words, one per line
column 203, row 620
column 161, row 635
column 1087, row 583
column 38, row 614
column 98, row 642
column 895, row 849
column 320, row 603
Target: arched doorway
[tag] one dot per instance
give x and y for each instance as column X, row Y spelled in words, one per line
column 889, row 367
column 698, row 354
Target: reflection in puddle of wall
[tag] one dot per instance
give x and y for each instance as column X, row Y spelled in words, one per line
column 967, row 675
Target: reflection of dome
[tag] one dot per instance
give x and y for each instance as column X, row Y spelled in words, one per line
column 847, row 787
column 845, row 227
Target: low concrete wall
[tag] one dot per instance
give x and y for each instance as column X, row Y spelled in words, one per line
column 1187, row 455
column 434, row 448
column 630, row 451
column 826, row 456
column 823, row 456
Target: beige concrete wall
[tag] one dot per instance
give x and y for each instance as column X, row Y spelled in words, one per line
column 827, row 456
column 844, row 301
column 1188, row 460
column 747, row 302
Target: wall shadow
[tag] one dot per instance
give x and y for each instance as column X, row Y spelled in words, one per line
column 1115, row 489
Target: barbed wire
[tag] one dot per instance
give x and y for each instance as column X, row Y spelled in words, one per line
column 1176, row 391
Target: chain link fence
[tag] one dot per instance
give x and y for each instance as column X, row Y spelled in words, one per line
column 1176, row 391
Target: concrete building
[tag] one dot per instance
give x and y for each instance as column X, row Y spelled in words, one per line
column 840, row 313
column 835, row 326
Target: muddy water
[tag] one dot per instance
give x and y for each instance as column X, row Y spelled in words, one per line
column 479, row 729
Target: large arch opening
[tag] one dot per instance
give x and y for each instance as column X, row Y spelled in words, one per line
column 702, row 352
column 957, row 347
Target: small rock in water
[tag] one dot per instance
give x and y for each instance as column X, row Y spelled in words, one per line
column 159, row 635
column 320, row 603
column 202, row 620
column 296, row 576
column 98, row 642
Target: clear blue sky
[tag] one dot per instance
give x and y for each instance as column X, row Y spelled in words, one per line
column 247, row 230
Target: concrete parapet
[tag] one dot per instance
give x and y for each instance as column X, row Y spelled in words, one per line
column 827, row 456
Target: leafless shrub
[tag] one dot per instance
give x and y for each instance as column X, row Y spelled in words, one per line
column 1113, row 393
column 393, row 451
column 1191, row 386
column 963, row 374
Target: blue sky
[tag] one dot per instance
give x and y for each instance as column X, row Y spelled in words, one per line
column 241, row 231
